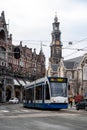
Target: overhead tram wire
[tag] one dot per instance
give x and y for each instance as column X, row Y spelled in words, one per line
column 38, row 42
column 77, row 49
column 34, row 42
column 70, row 54
column 76, row 42
column 83, row 49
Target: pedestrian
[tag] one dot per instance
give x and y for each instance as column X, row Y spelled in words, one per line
column 71, row 101
column 78, row 98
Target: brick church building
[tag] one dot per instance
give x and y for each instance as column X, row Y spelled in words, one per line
column 74, row 69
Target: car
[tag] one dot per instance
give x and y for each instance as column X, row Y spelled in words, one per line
column 86, row 106
column 14, row 100
column 81, row 104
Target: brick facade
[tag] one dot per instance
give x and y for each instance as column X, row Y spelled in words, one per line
column 28, row 67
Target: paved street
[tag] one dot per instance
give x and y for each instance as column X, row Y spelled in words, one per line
column 15, row 117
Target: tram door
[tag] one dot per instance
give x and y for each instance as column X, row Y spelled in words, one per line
column 43, row 93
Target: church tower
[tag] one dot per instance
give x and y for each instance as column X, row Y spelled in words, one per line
column 55, row 50
column 56, row 46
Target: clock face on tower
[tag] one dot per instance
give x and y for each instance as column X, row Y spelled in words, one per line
column 57, row 43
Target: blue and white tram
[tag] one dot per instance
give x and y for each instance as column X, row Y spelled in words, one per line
column 47, row 93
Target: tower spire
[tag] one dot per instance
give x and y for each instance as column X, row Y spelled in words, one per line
column 56, row 18
column 41, row 50
column 56, row 51
column 55, row 14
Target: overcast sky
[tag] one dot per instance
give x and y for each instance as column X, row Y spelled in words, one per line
column 31, row 21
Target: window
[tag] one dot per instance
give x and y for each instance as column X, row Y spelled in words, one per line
column 39, row 92
column 85, row 72
column 21, row 62
column 69, row 75
column 56, row 36
column 2, row 35
column 2, row 52
column 58, row 89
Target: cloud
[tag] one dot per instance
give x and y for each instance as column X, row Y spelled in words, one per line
column 32, row 20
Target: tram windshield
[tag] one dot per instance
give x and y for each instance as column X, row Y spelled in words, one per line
column 58, row 89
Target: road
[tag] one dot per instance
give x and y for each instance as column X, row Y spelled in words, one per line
column 15, row 117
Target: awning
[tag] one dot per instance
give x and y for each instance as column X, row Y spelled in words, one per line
column 21, row 82
column 16, row 82
column 27, row 82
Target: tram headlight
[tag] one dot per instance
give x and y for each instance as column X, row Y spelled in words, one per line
column 65, row 101
column 53, row 100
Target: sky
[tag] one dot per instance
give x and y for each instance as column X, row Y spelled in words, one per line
column 30, row 21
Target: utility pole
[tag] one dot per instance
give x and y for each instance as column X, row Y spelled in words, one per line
column 82, row 90
column 35, row 69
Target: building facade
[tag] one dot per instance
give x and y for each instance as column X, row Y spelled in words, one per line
column 74, row 69
column 15, row 73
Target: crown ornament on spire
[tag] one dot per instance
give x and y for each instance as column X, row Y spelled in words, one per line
column 56, row 18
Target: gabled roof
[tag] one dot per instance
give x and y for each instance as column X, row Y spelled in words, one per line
column 76, row 59
column 73, row 63
column 69, row 64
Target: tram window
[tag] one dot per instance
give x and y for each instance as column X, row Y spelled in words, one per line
column 26, row 95
column 39, row 92
column 29, row 94
column 47, row 92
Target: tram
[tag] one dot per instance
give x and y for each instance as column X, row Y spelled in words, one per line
column 47, row 93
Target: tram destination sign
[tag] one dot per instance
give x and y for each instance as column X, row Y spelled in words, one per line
column 58, row 79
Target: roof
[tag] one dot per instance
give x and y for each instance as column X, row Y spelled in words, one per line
column 73, row 63
column 76, row 59
column 68, row 64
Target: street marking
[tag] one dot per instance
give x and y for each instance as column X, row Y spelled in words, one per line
column 40, row 115
column 25, row 110
column 4, row 111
